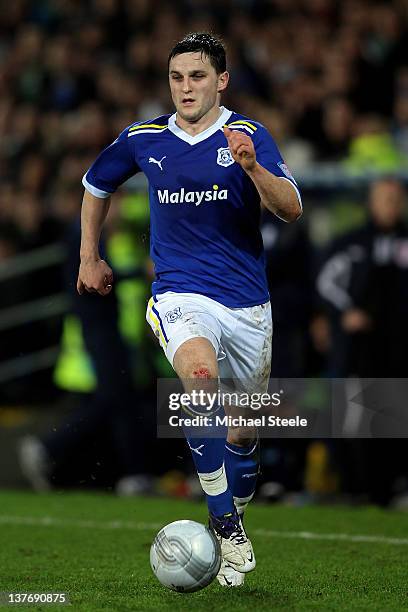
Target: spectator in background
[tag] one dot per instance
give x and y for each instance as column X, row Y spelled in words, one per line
column 336, row 131
column 372, row 147
column 364, row 286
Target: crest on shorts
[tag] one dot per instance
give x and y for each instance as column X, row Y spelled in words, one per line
column 224, row 157
column 173, row 315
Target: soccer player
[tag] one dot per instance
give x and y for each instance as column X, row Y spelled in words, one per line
column 209, row 170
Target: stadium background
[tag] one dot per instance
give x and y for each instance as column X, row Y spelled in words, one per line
column 328, row 79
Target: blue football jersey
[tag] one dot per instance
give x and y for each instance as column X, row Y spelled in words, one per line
column 204, row 209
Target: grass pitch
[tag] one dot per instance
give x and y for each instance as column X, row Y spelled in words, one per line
column 96, row 549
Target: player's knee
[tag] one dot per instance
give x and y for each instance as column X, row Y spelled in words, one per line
column 203, row 371
column 197, row 370
column 242, row 436
column 196, row 360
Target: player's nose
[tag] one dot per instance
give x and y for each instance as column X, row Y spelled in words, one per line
column 186, row 85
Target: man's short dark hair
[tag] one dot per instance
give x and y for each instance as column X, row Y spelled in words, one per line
column 205, row 43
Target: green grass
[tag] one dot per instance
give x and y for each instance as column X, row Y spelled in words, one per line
column 103, row 567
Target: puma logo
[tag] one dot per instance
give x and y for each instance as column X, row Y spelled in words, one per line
column 197, row 450
column 157, row 161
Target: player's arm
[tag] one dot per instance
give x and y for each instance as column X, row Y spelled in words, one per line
column 277, row 194
column 113, row 166
column 94, row 273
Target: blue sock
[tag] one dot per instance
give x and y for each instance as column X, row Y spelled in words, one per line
column 242, row 466
column 208, row 455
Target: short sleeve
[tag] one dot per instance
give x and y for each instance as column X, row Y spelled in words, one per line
column 269, row 157
column 115, row 165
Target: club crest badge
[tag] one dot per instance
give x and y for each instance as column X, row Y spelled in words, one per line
column 224, row 157
column 173, row 315
column 286, row 171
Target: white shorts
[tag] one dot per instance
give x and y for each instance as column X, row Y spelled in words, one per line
column 241, row 337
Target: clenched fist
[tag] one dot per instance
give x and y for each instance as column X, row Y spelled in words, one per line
column 94, row 276
column 242, row 148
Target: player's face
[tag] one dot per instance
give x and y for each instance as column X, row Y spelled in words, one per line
column 195, row 86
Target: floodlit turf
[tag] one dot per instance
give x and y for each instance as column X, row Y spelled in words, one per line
column 96, row 549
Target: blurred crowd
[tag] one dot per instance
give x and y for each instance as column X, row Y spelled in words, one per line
column 329, row 79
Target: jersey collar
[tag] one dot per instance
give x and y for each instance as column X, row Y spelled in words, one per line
column 221, row 121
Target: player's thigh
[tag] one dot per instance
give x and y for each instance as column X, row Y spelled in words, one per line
column 177, row 318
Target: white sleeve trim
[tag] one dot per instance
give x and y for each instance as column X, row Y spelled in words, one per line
column 98, row 193
column 295, row 188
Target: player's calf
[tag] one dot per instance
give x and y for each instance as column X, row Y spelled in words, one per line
column 242, row 467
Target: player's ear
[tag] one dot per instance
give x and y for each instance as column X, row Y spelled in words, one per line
column 223, row 80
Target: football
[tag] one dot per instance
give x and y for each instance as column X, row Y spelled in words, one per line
column 185, row 556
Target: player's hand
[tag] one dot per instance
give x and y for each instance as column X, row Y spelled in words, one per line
column 95, row 276
column 242, row 148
